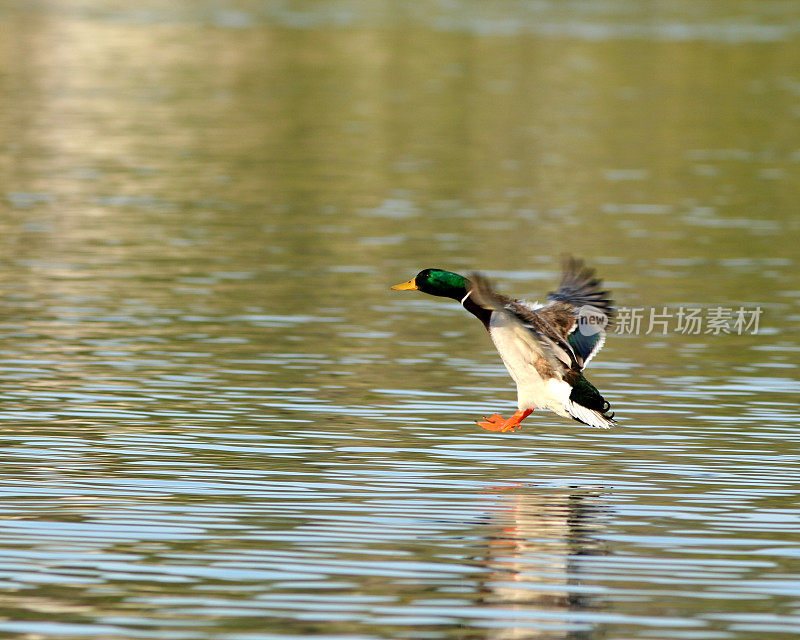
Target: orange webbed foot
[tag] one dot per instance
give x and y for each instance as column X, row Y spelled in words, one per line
column 498, row 423
column 493, row 423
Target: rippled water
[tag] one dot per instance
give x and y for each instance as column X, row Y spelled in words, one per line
column 219, row 422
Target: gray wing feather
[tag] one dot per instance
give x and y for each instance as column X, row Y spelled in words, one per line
column 581, row 294
column 538, row 330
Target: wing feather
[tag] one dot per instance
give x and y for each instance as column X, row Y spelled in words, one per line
column 579, row 287
column 580, row 296
column 543, row 333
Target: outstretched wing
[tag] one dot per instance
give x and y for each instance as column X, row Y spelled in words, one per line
column 579, row 287
column 580, row 296
column 546, row 335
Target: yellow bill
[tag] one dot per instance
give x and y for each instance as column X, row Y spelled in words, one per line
column 411, row 285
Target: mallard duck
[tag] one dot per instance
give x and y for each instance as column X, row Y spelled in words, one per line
column 545, row 347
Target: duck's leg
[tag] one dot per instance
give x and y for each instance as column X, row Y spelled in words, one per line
column 498, row 423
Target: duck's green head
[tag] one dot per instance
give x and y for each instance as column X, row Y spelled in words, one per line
column 437, row 282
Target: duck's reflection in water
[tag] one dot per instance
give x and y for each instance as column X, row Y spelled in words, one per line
column 534, row 543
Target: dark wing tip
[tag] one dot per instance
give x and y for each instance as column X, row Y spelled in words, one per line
column 579, row 286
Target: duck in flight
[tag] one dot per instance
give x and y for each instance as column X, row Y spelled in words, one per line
column 545, row 347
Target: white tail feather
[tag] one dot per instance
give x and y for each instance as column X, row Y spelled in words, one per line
column 588, row 416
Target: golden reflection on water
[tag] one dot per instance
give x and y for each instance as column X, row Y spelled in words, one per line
column 532, row 557
column 540, row 135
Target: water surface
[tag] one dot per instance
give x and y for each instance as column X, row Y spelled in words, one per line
column 219, row 422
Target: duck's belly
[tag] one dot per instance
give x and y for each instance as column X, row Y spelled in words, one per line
column 533, row 391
